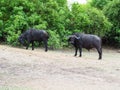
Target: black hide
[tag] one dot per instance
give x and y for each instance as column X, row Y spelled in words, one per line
column 32, row 35
column 87, row 41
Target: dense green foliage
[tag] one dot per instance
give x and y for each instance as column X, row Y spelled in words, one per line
column 88, row 19
column 19, row 15
column 99, row 3
column 54, row 16
column 112, row 11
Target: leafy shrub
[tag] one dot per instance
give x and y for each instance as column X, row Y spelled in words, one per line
column 89, row 20
column 16, row 16
column 112, row 11
column 99, row 3
column 54, row 40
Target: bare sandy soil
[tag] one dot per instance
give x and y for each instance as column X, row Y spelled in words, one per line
column 22, row 69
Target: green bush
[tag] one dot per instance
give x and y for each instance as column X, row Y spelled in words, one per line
column 99, row 3
column 88, row 20
column 54, row 40
column 16, row 16
column 112, row 11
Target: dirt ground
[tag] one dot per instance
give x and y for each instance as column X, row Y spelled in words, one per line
column 22, row 69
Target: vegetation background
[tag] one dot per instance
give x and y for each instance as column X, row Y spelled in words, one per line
column 100, row 17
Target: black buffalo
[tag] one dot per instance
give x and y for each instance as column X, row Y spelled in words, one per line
column 32, row 35
column 87, row 41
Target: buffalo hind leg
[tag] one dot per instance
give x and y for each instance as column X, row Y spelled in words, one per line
column 46, row 46
column 100, row 53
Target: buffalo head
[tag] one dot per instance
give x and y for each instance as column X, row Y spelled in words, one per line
column 72, row 39
column 22, row 40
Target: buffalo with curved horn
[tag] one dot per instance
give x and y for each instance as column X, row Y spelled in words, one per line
column 87, row 41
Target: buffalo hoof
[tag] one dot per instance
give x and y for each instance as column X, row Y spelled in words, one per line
column 99, row 58
column 46, row 50
column 80, row 55
column 75, row 55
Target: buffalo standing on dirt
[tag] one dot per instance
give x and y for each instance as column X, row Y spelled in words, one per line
column 87, row 41
column 32, row 35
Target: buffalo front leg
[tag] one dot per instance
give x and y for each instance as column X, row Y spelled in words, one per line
column 76, row 49
column 28, row 42
column 80, row 50
column 32, row 45
column 27, row 45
